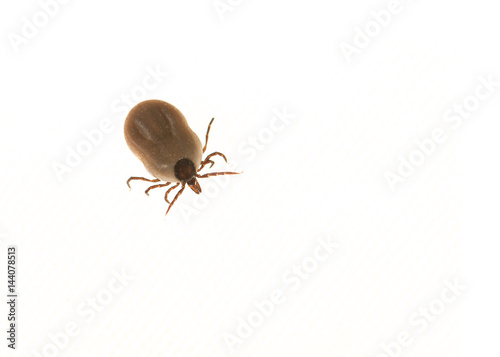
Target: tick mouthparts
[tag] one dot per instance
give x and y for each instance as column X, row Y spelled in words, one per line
column 195, row 186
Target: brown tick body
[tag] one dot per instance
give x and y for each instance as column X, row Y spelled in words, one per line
column 159, row 135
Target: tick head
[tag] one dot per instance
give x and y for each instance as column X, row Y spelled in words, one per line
column 185, row 171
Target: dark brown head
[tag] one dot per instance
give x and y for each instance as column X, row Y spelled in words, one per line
column 185, row 172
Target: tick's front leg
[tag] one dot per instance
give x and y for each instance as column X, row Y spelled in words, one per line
column 170, row 189
column 156, row 186
column 208, row 161
column 176, row 197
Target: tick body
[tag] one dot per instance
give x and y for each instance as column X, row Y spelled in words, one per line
column 159, row 135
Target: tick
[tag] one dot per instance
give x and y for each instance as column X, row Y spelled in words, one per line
column 159, row 135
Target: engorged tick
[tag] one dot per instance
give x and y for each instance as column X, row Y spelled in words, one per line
column 159, row 135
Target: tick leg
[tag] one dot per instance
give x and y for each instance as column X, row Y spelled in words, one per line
column 175, row 198
column 170, row 189
column 206, row 137
column 204, row 163
column 218, row 174
column 156, row 186
column 216, row 154
column 208, row 161
column 140, row 178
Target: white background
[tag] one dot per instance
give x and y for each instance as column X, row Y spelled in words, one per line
column 196, row 274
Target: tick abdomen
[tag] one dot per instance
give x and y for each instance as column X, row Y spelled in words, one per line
column 159, row 135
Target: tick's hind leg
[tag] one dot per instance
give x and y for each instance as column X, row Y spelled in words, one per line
column 156, row 186
column 206, row 137
column 140, row 178
column 208, row 161
column 176, row 197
